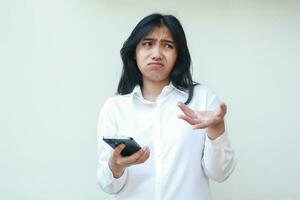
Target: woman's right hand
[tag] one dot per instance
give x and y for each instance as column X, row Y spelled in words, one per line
column 118, row 163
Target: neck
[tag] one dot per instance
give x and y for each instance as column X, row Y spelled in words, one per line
column 151, row 90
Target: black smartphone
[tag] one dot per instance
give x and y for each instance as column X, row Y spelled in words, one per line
column 131, row 145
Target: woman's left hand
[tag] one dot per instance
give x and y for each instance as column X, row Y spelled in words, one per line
column 212, row 120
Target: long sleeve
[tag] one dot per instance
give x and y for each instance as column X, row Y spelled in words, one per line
column 219, row 158
column 107, row 126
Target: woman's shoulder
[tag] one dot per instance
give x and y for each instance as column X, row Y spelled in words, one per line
column 116, row 100
column 204, row 95
column 202, row 89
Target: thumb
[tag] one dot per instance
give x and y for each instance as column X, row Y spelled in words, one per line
column 119, row 149
column 222, row 109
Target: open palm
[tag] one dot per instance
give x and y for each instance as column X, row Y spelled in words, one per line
column 202, row 119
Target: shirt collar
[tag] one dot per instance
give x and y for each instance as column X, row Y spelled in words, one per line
column 180, row 91
column 166, row 90
column 136, row 91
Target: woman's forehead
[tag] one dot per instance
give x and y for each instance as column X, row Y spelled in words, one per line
column 160, row 33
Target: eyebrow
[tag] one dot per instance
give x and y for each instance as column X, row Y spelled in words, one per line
column 164, row 40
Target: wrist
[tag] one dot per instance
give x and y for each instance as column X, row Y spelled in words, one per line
column 215, row 131
column 116, row 169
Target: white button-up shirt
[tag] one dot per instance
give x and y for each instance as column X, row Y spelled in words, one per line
column 182, row 160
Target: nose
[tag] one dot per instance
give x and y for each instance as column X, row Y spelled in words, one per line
column 156, row 53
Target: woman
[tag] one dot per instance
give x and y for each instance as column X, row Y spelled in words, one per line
column 184, row 144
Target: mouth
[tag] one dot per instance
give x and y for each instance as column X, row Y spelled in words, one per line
column 155, row 65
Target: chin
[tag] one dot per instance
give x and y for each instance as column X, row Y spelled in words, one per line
column 158, row 80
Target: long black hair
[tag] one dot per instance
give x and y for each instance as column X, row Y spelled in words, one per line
column 180, row 76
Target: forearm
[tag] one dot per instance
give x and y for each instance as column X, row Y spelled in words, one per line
column 219, row 158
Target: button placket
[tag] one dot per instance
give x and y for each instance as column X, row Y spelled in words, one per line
column 157, row 146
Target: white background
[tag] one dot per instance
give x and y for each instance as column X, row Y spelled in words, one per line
column 59, row 61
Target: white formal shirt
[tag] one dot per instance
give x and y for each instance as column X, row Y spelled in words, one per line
column 182, row 160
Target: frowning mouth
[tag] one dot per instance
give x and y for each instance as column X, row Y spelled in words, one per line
column 155, row 65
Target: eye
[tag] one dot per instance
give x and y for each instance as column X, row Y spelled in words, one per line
column 169, row 46
column 147, row 43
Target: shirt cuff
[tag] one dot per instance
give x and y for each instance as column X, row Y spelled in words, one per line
column 109, row 179
column 218, row 143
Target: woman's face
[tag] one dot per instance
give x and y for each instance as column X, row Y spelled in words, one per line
column 156, row 55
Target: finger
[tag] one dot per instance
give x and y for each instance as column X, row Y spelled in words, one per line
column 186, row 110
column 200, row 126
column 117, row 151
column 222, row 109
column 144, row 157
column 128, row 160
column 188, row 119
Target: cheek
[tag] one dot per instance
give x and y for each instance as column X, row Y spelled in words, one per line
column 140, row 61
column 172, row 58
column 140, row 56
